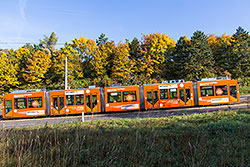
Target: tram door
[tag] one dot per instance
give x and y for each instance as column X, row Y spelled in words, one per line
column 185, row 96
column 8, row 108
column 58, row 105
column 91, row 102
column 233, row 93
column 152, row 99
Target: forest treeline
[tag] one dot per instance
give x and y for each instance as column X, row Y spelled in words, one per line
column 103, row 62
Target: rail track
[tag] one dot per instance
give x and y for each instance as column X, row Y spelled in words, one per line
column 29, row 122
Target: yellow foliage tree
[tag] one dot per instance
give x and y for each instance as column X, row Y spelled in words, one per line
column 100, row 62
column 156, row 49
column 216, row 42
column 85, row 47
column 33, row 65
column 80, row 54
column 74, row 61
column 8, row 71
column 122, row 65
column 36, row 67
column 58, row 63
column 56, row 74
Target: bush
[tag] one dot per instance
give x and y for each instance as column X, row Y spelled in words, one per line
column 244, row 90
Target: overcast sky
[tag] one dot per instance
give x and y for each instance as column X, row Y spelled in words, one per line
column 26, row 21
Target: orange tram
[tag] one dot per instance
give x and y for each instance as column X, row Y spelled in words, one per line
column 117, row 98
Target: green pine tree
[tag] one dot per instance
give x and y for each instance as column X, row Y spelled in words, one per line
column 102, row 40
column 135, row 49
column 180, row 59
column 49, row 42
column 240, row 55
column 200, row 58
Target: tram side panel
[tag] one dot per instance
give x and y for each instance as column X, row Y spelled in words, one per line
column 122, row 98
column 93, row 99
column 186, row 95
column 76, row 101
column 151, row 96
column 168, row 95
column 21, row 105
column 57, row 102
column 218, row 92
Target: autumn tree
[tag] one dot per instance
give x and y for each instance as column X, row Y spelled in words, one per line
column 122, row 65
column 32, row 67
column 156, row 49
column 56, row 74
column 31, row 47
column 114, row 63
column 85, row 48
column 80, row 54
column 8, row 71
column 100, row 63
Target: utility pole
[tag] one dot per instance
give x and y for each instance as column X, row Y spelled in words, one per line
column 66, row 73
column 133, row 78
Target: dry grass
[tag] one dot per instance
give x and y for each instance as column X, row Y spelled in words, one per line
column 210, row 139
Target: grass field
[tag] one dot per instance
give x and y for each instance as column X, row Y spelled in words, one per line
column 210, row 139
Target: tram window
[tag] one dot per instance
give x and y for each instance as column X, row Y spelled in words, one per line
column 129, row 96
column 181, row 95
column 94, row 100
column 173, row 93
column 8, row 106
column 35, row 102
column 61, row 100
column 221, row 90
column 164, row 93
column 207, row 91
column 70, row 100
column 188, row 94
column 79, row 100
column 233, row 91
column 149, row 95
column 55, row 102
column 114, row 97
column 156, row 98
column 20, row 103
